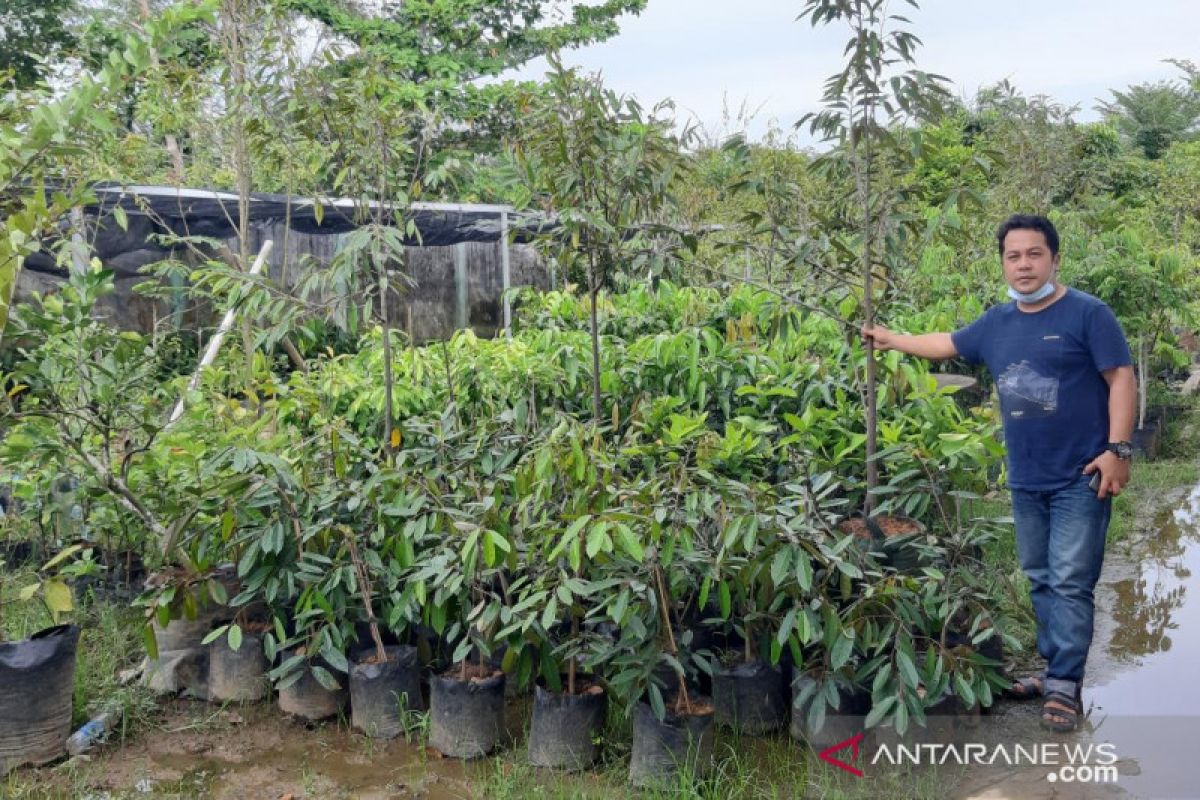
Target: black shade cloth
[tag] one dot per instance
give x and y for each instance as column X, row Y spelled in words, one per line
column 155, row 211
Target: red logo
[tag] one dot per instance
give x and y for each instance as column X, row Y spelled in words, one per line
column 852, row 742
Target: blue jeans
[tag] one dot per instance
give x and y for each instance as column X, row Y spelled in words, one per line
column 1060, row 544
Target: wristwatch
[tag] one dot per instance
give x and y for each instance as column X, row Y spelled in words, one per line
column 1123, row 450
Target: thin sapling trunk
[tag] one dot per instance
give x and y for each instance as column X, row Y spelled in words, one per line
column 364, row 590
column 593, row 288
column 682, row 701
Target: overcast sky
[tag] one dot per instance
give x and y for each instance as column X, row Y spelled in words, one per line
column 700, row 52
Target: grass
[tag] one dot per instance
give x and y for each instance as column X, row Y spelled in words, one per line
column 770, row 768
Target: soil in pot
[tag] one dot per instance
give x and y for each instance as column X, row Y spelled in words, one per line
column 840, row 724
column 888, row 535
column 681, row 744
column 563, row 729
column 466, row 712
column 239, row 675
column 751, row 697
column 307, row 698
column 37, row 683
column 382, row 691
column 1146, row 441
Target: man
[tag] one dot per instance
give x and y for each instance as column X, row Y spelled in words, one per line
column 1067, row 389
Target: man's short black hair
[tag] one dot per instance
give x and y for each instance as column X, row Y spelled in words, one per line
column 1029, row 222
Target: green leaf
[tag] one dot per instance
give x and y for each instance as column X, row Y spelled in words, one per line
column 656, row 702
column 804, row 573
column 489, row 549
column 780, row 566
column 964, row 690
column 63, row 554
column 843, row 646
column 150, row 641
column 325, row 679
column 631, row 545
column 620, row 606
column 908, row 670
column 58, row 597
column 235, row 637
column 214, row 634
column 881, row 678
column 785, row 627
column 705, row 588
column 598, row 540
column 725, row 599
column 550, row 614
column 879, row 711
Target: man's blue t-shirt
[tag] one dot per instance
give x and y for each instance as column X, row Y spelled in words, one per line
column 1047, row 367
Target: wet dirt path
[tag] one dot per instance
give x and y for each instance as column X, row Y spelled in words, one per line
column 1142, row 691
column 256, row 752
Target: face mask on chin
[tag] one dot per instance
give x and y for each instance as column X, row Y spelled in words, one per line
column 1036, row 296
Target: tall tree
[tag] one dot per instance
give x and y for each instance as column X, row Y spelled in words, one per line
column 1152, row 116
column 866, row 106
column 442, row 46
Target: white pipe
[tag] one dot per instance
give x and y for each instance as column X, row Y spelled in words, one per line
column 214, row 344
column 504, row 272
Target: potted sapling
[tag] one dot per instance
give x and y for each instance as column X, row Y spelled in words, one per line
column 826, row 574
column 464, row 582
column 570, row 702
column 649, row 667
column 752, row 567
column 37, row 674
column 316, row 649
column 385, row 680
column 322, row 613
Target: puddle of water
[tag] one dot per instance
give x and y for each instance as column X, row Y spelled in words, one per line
column 1149, row 709
column 1156, row 623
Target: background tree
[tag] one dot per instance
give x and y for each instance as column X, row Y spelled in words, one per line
column 442, row 48
column 34, row 34
column 1151, row 116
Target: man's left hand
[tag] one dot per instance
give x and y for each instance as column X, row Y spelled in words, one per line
column 1114, row 473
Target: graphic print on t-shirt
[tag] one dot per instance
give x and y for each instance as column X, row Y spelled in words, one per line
column 1026, row 393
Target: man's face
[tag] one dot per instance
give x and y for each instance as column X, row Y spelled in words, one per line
column 1028, row 263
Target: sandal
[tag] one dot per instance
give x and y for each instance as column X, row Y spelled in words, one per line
column 1025, row 688
column 1061, row 711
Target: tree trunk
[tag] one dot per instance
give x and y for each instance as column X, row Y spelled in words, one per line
column 387, row 359
column 682, row 702
column 860, row 159
column 233, row 24
column 593, row 289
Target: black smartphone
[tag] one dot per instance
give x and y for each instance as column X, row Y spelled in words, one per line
column 1094, row 483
